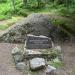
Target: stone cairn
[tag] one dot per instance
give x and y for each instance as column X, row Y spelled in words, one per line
column 36, row 53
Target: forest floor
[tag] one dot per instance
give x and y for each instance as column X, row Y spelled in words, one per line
column 7, row 66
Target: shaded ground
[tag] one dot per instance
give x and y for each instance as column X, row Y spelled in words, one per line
column 7, row 67
column 68, row 50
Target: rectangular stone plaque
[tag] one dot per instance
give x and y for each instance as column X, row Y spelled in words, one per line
column 38, row 42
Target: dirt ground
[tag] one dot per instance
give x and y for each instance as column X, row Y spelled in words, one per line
column 7, row 66
column 68, row 50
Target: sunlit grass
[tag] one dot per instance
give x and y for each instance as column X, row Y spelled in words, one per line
column 56, row 64
column 3, row 27
column 13, row 20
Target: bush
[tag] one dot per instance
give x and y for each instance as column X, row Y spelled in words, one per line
column 4, row 17
column 68, row 12
column 22, row 13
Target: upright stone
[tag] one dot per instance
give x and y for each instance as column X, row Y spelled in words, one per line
column 38, row 42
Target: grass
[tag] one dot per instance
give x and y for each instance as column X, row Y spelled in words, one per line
column 10, row 22
column 3, row 27
column 13, row 20
column 57, row 63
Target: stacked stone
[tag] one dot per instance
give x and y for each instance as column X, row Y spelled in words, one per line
column 32, row 46
column 18, row 58
column 34, row 64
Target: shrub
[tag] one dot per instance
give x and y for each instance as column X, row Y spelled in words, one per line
column 22, row 13
column 68, row 12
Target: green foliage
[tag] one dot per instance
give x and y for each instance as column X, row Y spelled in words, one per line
column 9, row 22
column 4, row 17
column 3, row 1
column 65, row 8
column 67, row 25
column 19, row 6
column 22, row 13
column 58, row 64
column 54, row 54
column 5, row 10
column 68, row 12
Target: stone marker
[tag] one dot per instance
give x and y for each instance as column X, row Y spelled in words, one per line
column 38, row 42
column 37, row 63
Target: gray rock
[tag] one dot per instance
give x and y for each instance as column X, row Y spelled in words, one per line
column 21, row 66
column 37, row 63
column 38, row 42
column 50, row 70
column 18, row 58
column 16, row 50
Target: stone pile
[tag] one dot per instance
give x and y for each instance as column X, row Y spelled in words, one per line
column 34, row 64
column 32, row 57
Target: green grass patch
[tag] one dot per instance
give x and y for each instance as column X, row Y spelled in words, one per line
column 3, row 27
column 13, row 20
column 56, row 63
column 10, row 22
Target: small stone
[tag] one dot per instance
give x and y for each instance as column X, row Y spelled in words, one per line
column 21, row 66
column 50, row 69
column 58, row 48
column 37, row 63
column 18, row 58
column 16, row 50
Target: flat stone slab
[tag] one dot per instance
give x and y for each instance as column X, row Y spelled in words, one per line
column 44, row 53
column 38, row 42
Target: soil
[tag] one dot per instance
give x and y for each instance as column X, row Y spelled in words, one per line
column 7, row 67
column 68, row 50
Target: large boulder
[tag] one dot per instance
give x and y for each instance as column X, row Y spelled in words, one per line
column 36, row 24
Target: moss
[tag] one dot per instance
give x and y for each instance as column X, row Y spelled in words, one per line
column 57, row 65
